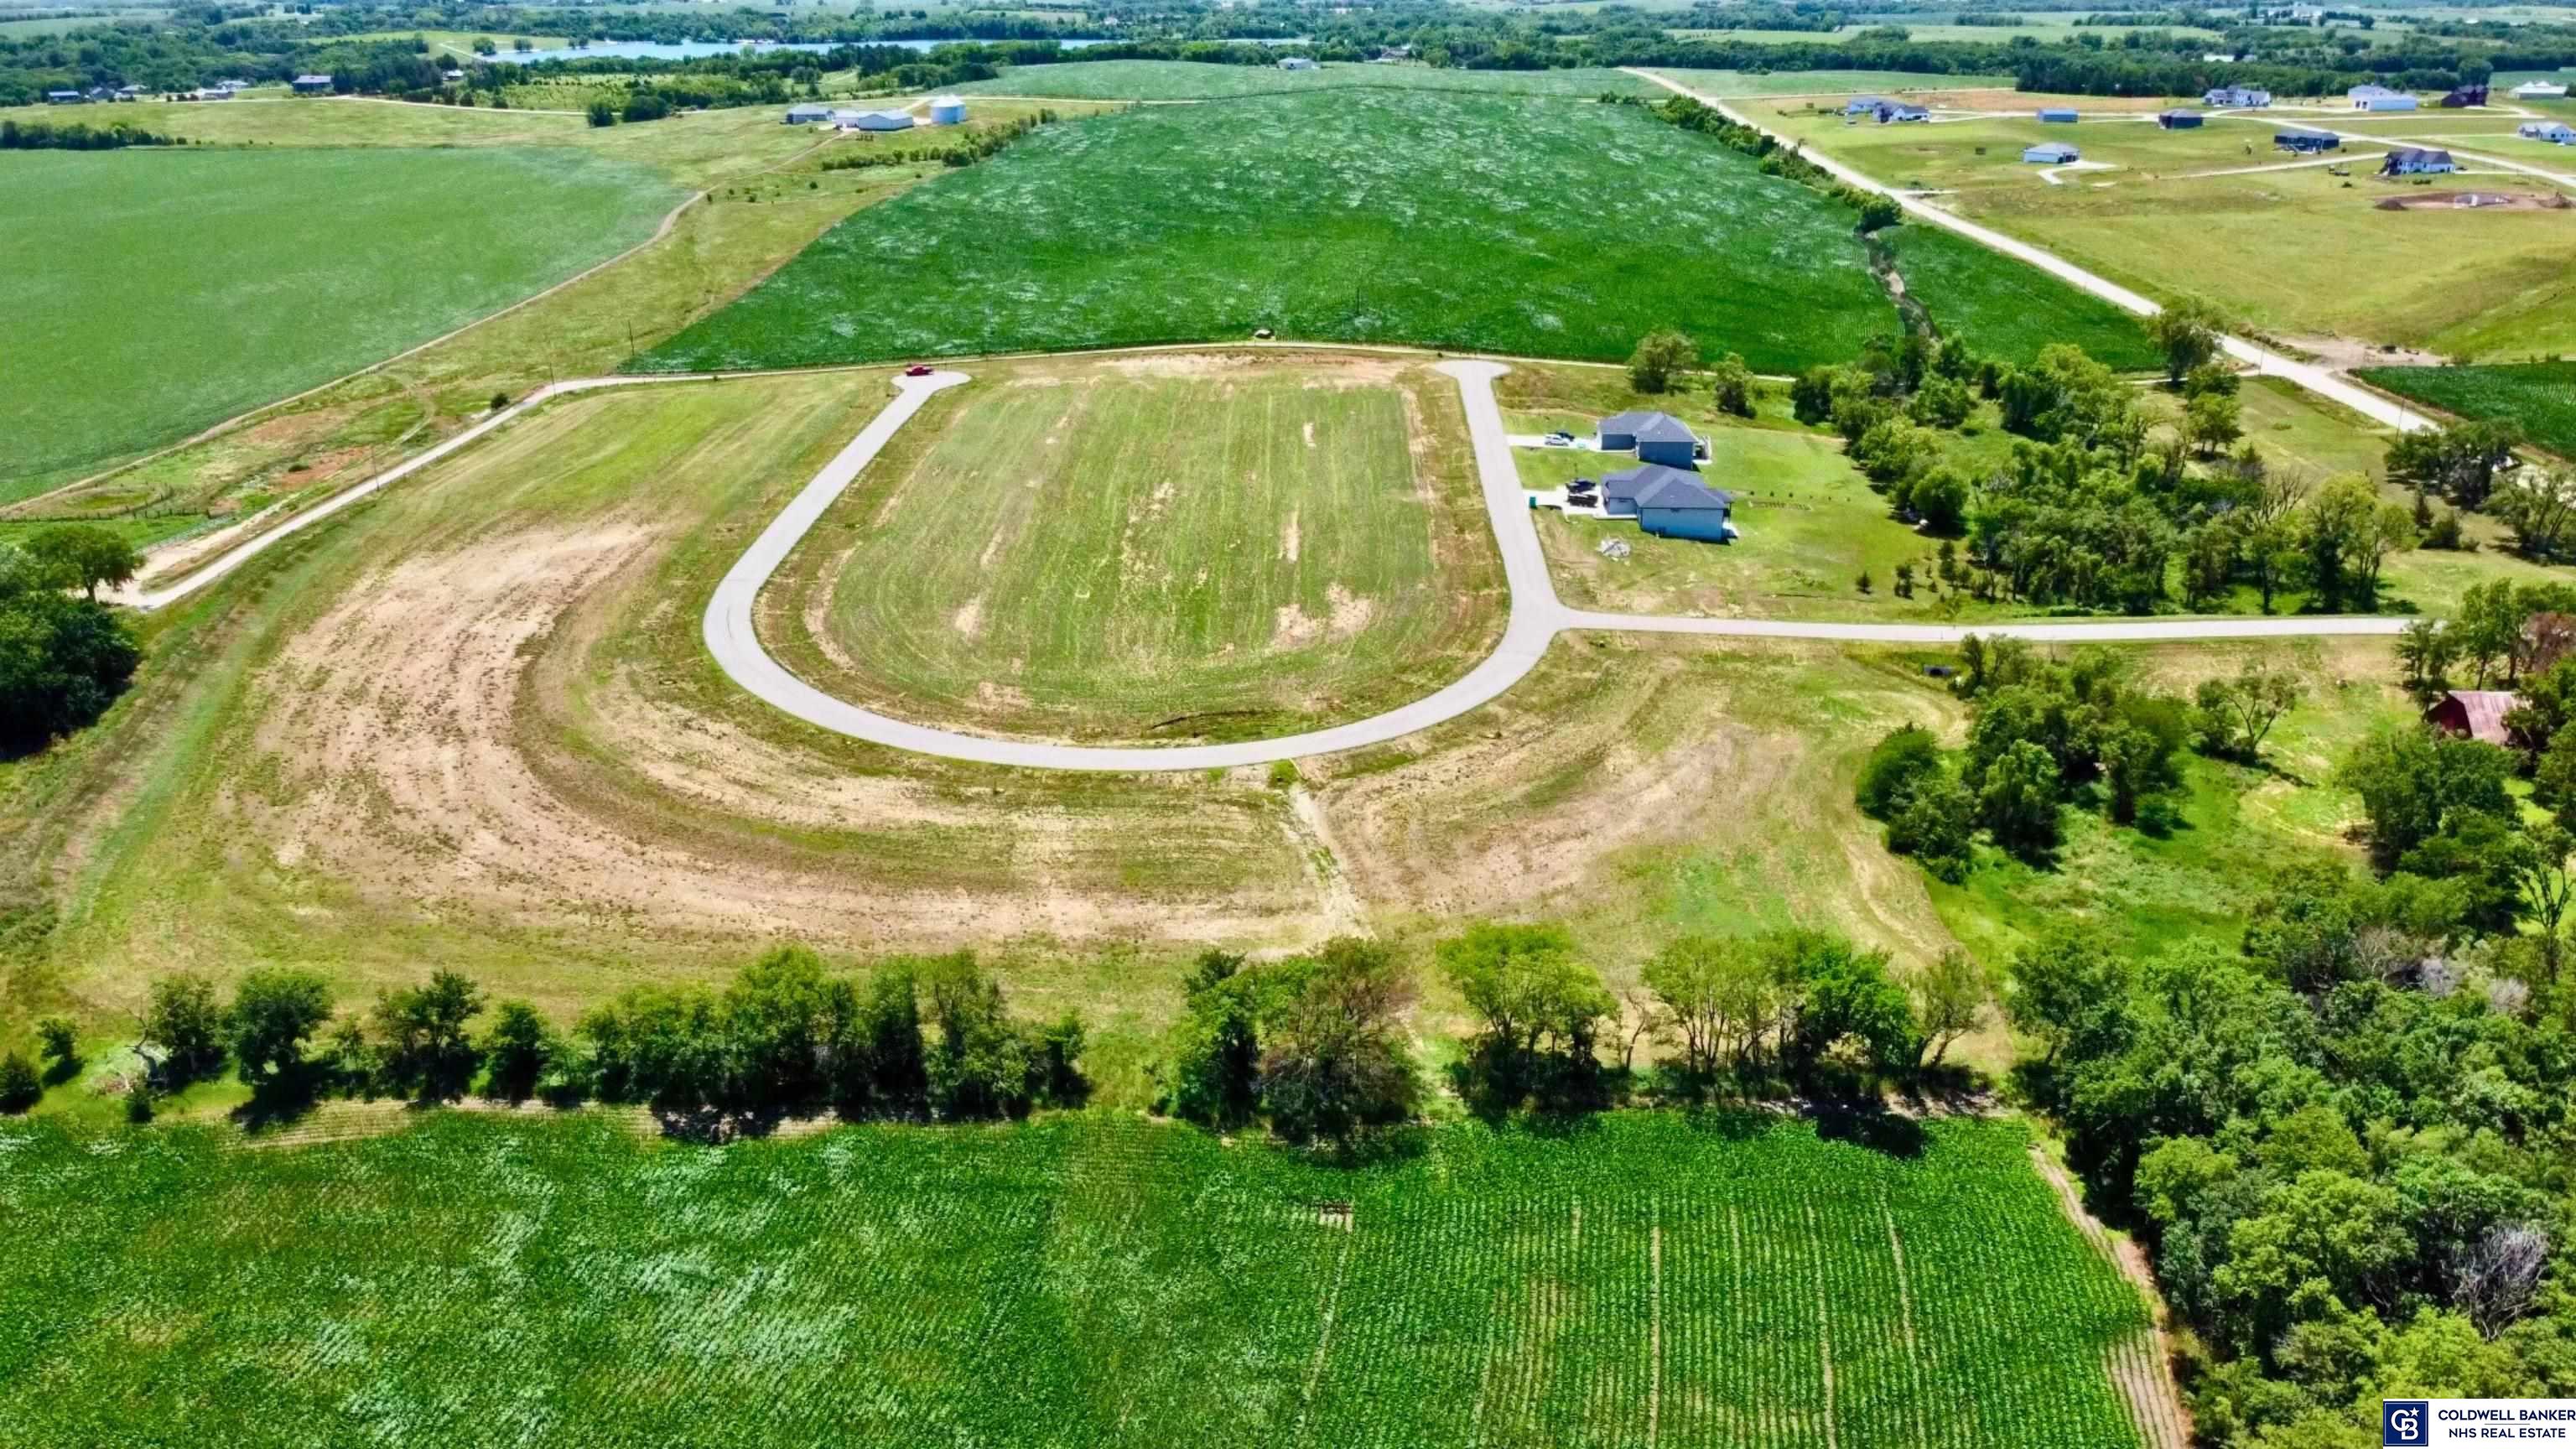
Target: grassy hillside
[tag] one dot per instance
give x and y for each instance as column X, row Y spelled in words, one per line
column 167, row 291
column 1182, row 80
column 1082, row 1281
column 1159, row 550
column 1555, row 228
column 2010, row 309
column 2538, row 397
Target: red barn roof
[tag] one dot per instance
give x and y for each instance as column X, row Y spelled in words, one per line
column 2476, row 713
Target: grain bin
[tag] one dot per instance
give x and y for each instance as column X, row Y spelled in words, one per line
column 947, row 111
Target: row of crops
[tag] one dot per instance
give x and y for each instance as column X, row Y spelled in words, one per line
column 1081, row 1281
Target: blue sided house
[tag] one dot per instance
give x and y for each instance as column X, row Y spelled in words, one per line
column 1654, row 437
column 1668, row 503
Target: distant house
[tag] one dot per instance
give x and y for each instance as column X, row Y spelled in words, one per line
column 808, row 115
column 2460, row 97
column 1655, row 437
column 2417, row 161
column 2306, row 143
column 2238, row 98
column 65, row 98
column 2379, row 98
column 872, row 120
column 1863, row 105
column 2179, row 120
column 1680, row 506
column 1897, row 112
column 2059, row 114
column 2555, row 132
column 2540, row 91
column 2052, row 153
column 1296, row 62
column 451, row 75
column 2476, row 714
column 312, row 85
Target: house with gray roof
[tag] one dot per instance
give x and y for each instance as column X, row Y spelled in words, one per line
column 1863, row 105
column 1654, row 437
column 1889, row 112
column 2417, row 161
column 2237, row 98
column 1684, row 507
column 2555, row 132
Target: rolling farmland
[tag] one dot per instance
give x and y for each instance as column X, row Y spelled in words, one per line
column 2009, row 310
column 168, row 291
column 1468, row 221
column 1657, row 1280
column 1160, row 548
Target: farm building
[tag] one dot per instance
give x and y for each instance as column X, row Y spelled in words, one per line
column 2179, row 120
column 2052, row 153
column 947, row 111
column 2306, row 143
column 1296, row 62
column 872, row 120
column 2379, row 98
column 2555, row 132
column 2238, row 98
column 65, row 98
column 1900, row 111
column 808, row 115
column 1655, row 437
column 312, row 85
column 2476, row 714
column 2059, row 114
column 2464, row 96
column 2417, row 161
column 2540, row 91
column 1863, row 105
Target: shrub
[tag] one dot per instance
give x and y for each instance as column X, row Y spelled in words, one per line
column 1658, row 358
column 20, row 1087
column 1904, row 759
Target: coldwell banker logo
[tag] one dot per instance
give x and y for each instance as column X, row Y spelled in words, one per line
column 2405, row 1422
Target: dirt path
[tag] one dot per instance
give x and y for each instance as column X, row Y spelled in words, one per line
column 2146, row 1379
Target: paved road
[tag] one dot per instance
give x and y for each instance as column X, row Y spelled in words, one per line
column 1536, row 617
column 2264, row 360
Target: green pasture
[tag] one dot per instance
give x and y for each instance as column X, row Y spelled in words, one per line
column 1091, row 1280
column 1365, row 216
column 1182, row 80
column 166, row 291
column 2539, row 398
column 2046, row 29
column 1251, row 552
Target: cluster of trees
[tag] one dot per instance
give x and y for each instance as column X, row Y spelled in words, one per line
column 922, row 1037
column 63, row 659
column 965, row 150
column 2089, row 511
column 2050, row 735
column 40, row 136
column 1315, row 1046
column 2347, row 1143
column 2472, row 466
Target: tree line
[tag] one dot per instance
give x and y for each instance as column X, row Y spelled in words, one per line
column 44, row 136
column 65, row 656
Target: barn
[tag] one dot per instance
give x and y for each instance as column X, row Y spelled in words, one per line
column 873, row 120
column 2179, row 120
column 2060, row 114
column 2237, row 98
column 808, row 115
column 2052, row 153
column 1656, row 438
column 2476, row 714
column 2379, row 98
column 1296, row 62
column 2306, row 143
column 313, row 85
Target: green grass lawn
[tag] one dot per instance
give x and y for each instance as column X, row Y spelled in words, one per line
column 1090, row 1280
column 1182, row 80
column 1161, row 553
column 167, row 291
column 2539, row 397
column 1465, row 221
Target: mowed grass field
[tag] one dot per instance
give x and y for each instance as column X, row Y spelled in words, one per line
column 2484, row 282
column 2539, row 397
column 2008, row 309
column 1182, row 80
column 1072, row 1282
column 1466, row 221
column 1171, row 548
column 1822, row 82
column 166, row 291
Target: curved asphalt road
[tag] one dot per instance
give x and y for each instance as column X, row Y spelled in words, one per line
column 1536, row 617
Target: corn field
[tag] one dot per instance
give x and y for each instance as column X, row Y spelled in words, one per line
column 1091, row 1280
